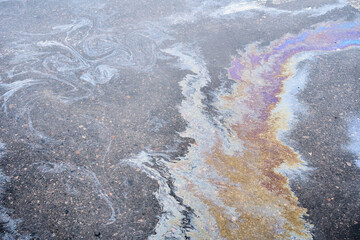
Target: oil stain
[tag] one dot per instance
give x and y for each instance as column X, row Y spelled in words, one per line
column 251, row 197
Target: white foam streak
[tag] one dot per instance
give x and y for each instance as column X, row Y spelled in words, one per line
column 193, row 176
column 245, row 9
column 68, row 48
column 12, row 88
column 169, row 224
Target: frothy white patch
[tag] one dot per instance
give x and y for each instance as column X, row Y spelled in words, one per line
column 69, row 49
column 354, row 134
column 240, row 7
column 100, row 75
column 70, row 29
column 2, row 149
column 315, row 12
column 245, row 9
column 290, row 105
column 12, row 88
column 192, row 173
column 169, row 224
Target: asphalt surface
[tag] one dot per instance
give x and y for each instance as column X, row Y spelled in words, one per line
column 179, row 119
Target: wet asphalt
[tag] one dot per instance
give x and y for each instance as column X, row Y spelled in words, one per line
column 64, row 137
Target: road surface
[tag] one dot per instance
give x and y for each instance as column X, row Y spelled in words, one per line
column 195, row 119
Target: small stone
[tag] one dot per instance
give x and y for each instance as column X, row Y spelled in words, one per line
column 97, row 234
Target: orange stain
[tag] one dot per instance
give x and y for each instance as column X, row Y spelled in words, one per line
column 261, row 196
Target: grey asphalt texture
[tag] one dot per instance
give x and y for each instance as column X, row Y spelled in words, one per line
column 63, row 137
